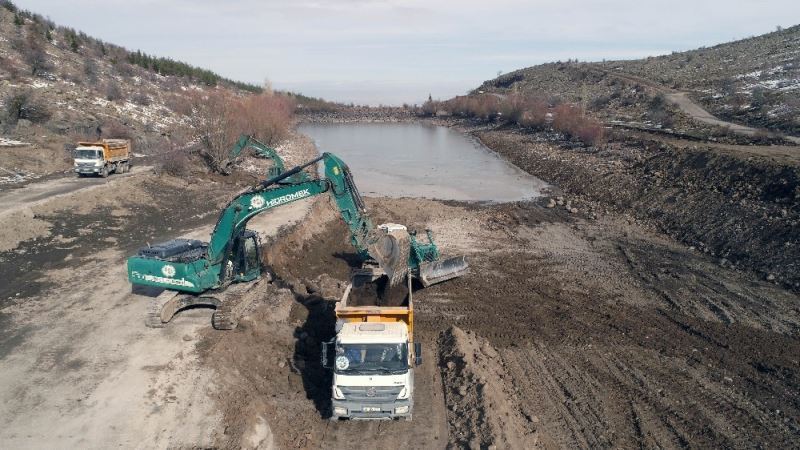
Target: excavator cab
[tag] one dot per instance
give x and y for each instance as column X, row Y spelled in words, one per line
column 246, row 256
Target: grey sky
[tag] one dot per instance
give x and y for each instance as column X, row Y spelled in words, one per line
column 375, row 51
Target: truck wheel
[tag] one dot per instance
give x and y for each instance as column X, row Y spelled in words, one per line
column 104, row 173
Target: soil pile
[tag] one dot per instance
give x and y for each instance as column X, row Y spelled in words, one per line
column 378, row 293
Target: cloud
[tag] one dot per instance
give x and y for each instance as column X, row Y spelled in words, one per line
column 405, row 45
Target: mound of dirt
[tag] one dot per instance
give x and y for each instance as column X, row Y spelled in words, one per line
column 481, row 409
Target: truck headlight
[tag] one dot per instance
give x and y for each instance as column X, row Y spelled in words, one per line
column 339, row 410
column 401, row 410
column 403, row 393
column 337, row 393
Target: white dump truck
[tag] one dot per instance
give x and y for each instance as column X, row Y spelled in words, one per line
column 102, row 157
column 373, row 354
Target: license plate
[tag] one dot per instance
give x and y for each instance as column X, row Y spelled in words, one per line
column 372, row 409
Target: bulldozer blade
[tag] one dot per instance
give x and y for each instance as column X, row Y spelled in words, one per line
column 438, row 271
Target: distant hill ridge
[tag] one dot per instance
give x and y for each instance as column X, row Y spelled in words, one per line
column 753, row 81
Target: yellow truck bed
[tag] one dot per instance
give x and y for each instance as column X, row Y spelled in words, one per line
column 113, row 149
column 404, row 313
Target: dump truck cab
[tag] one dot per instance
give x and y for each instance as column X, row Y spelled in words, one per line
column 89, row 159
column 372, row 356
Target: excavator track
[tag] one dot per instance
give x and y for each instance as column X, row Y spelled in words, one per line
column 229, row 304
column 224, row 318
column 153, row 319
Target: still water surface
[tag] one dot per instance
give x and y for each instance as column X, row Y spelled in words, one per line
column 421, row 160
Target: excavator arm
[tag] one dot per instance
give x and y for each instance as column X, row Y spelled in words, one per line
column 263, row 151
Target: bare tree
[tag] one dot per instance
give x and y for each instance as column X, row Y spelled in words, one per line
column 219, row 118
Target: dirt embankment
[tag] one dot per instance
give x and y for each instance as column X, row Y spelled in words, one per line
column 742, row 210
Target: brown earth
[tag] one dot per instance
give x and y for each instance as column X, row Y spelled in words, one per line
column 570, row 333
column 585, row 329
column 731, row 203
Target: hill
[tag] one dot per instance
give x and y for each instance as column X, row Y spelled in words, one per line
column 59, row 85
column 754, row 81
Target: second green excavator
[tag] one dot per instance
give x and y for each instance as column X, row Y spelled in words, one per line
column 198, row 273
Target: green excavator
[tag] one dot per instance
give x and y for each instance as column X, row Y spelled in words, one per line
column 194, row 273
column 262, row 151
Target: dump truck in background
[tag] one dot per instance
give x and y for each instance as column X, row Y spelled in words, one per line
column 373, row 354
column 102, row 157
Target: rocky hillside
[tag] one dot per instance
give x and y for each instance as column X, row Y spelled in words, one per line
column 754, row 81
column 58, row 85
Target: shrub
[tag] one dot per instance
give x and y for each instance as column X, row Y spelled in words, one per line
column 658, row 111
column 7, row 66
column 123, row 69
column 174, row 162
column 113, row 92
column 429, row 107
column 34, row 55
column 140, row 98
column 91, row 71
column 114, row 129
column 219, row 118
column 535, row 115
column 179, row 104
column 573, row 122
column 7, row 4
column 25, row 105
column 513, row 107
column 265, row 116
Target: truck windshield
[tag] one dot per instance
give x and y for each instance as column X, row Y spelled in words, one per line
column 87, row 154
column 355, row 359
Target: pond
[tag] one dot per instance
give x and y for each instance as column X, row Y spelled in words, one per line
column 422, row 160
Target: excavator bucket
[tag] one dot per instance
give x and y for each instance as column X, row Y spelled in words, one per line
column 389, row 245
column 438, row 271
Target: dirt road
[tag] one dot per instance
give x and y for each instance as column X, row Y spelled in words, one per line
column 30, row 195
column 689, row 106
